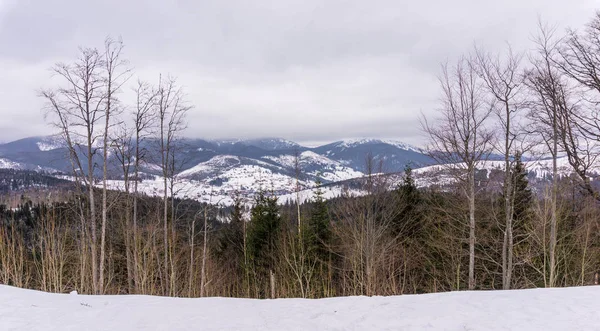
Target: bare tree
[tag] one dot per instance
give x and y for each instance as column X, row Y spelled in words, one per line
column 578, row 59
column 172, row 109
column 78, row 106
column 504, row 82
column 364, row 224
column 547, row 104
column 116, row 74
column 458, row 138
column 144, row 118
column 123, row 151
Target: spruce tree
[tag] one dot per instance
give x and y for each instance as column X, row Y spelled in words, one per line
column 408, row 221
column 230, row 243
column 263, row 238
column 319, row 232
column 523, row 197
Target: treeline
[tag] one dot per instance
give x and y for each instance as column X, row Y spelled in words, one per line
column 384, row 242
column 14, row 180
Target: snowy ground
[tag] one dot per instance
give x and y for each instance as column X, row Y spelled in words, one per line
column 539, row 309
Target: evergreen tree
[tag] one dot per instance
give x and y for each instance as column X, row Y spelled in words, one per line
column 522, row 195
column 263, row 238
column 231, row 250
column 230, row 244
column 319, row 232
column 408, row 221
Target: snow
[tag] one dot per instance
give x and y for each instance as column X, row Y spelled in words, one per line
column 216, row 163
column 8, row 164
column 535, row 309
column 398, row 144
column 217, row 179
column 437, row 174
column 329, row 192
column 50, row 143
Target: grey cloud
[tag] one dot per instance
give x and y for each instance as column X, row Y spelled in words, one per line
column 302, row 69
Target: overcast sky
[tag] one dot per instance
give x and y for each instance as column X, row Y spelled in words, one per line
column 305, row 70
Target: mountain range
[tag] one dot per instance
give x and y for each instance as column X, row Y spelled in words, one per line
column 214, row 169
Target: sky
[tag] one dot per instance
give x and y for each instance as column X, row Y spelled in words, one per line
column 311, row 71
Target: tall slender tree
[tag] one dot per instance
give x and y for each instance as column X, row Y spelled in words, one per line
column 458, row 138
column 116, row 74
column 547, row 102
column 503, row 81
column 172, row 108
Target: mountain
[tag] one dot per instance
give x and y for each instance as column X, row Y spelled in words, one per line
column 212, row 170
column 34, row 153
column 393, row 154
column 274, row 144
column 217, row 168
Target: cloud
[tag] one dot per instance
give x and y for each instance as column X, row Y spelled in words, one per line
column 303, row 70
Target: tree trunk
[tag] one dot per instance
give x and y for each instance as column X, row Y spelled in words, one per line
column 192, row 269
column 553, row 217
column 507, row 247
column 135, row 225
column 272, row 278
column 104, row 188
column 92, row 204
column 166, row 239
column 471, row 228
column 204, row 248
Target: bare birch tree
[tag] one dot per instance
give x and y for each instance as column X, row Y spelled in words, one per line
column 79, row 104
column 459, row 139
column 578, row 60
column 503, row 80
column 172, row 108
column 144, row 118
column 116, row 74
column 546, row 104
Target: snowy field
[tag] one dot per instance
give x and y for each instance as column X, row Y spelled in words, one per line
column 538, row 309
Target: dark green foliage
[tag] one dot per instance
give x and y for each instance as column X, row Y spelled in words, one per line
column 263, row 237
column 409, row 220
column 229, row 250
column 230, row 241
column 318, row 234
column 15, row 180
column 523, row 197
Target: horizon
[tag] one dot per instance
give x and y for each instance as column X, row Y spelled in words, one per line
column 306, row 144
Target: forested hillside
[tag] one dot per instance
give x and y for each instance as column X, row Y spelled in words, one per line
column 470, row 227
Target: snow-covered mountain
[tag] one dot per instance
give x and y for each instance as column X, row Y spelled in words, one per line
column 394, row 155
column 214, row 169
column 273, row 144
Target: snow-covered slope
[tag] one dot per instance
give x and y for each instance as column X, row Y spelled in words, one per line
column 225, row 166
column 8, row 164
column 349, row 143
column 539, row 169
column 537, row 309
column 50, row 143
column 273, row 144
